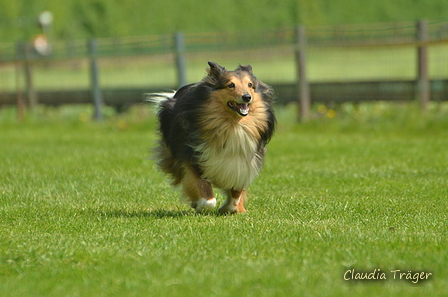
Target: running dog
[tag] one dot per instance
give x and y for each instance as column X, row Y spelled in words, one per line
column 214, row 133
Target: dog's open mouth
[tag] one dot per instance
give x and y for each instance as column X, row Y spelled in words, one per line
column 241, row 108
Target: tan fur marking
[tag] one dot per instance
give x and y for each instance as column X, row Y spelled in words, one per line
column 257, row 119
column 165, row 161
column 235, row 202
column 194, row 188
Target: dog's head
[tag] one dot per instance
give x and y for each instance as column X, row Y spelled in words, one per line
column 236, row 90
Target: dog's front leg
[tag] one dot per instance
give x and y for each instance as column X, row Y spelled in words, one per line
column 197, row 191
column 235, row 202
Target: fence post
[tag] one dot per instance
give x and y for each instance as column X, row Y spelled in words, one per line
column 21, row 105
column 302, row 83
column 30, row 91
column 97, row 96
column 179, row 43
column 423, row 83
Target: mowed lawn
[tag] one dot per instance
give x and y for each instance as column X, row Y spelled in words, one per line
column 84, row 211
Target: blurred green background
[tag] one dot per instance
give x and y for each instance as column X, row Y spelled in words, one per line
column 118, row 18
column 347, row 41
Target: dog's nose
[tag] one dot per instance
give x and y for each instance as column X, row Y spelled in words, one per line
column 247, row 97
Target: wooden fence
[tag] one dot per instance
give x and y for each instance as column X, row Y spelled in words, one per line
column 300, row 41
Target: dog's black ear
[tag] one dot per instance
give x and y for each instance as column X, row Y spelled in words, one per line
column 246, row 68
column 215, row 70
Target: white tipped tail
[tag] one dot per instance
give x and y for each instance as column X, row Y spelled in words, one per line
column 159, row 98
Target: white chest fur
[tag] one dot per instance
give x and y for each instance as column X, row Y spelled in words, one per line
column 230, row 160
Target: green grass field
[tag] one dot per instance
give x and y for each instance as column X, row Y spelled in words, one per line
column 84, row 212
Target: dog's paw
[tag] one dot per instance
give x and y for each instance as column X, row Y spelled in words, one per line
column 231, row 209
column 204, row 205
column 227, row 209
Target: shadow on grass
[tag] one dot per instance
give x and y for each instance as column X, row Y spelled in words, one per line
column 158, row 213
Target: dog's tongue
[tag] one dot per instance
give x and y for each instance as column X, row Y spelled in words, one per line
column 241, row 108
column 244, row 108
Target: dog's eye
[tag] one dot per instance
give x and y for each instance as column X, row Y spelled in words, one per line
column 231, row 85
column 250, row 85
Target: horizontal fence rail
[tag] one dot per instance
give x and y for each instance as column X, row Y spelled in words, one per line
column 303, row 64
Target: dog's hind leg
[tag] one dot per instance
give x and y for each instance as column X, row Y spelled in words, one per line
column 235, row 202
column 198, row 192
